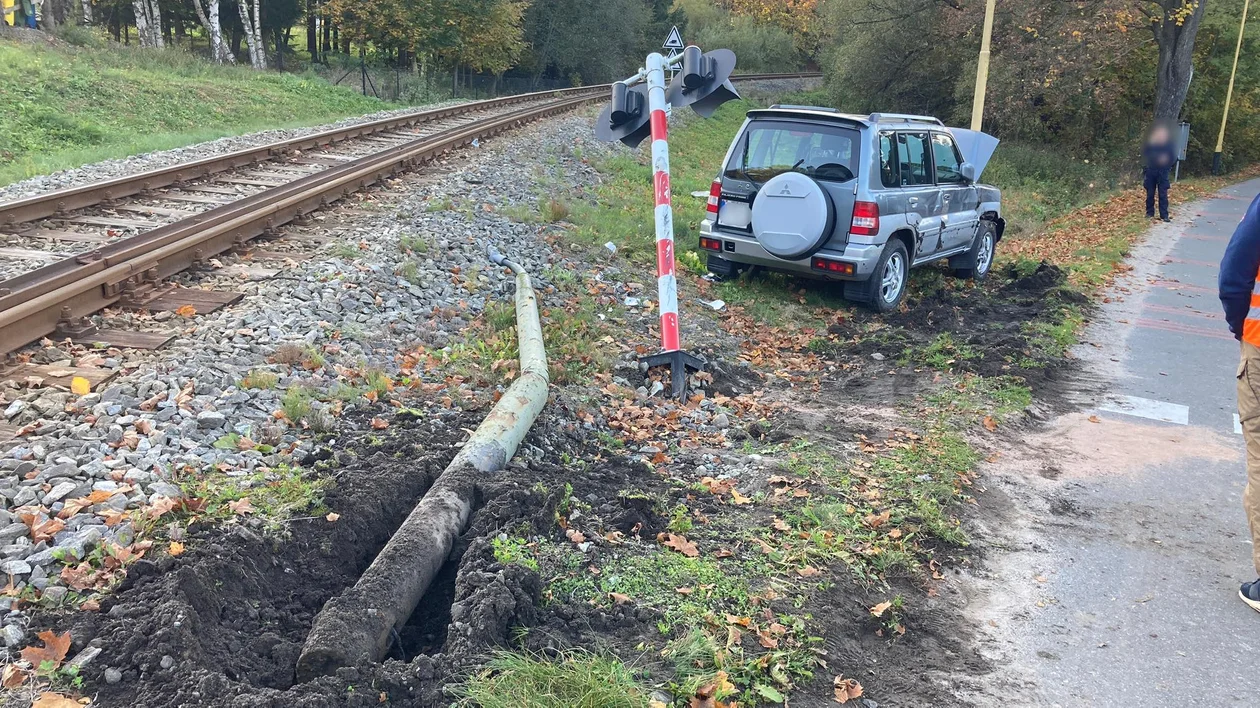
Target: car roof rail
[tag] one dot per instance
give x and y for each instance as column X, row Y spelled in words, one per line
column 907, row 117
column 793, row 107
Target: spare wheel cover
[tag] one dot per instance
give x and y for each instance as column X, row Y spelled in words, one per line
column 792, row 216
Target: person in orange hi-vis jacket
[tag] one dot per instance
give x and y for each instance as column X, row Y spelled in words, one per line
column 1239, row 286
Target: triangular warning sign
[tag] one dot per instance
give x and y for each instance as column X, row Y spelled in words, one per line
column 674, row 41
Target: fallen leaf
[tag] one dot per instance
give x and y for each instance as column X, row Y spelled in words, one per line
column 808, row 571
column 781, row 525
column 186, row 311
column 54, row 649
column 737, row 498
column 989, row 423
column 55, row 700
column 158, row 506
column 575, row 536
column 767, row 641
column 877, row 520
column 90, row 606
column 1094, row 419
column 80, row 386
column 684, row 591
column 619, row 598
column 881, row 608
column 723, row 553
column 679, row 543
column 379, row 424
column 242, row 506
column 12, row 676
column 176, row 548
column 846, row 689
column 332, row 516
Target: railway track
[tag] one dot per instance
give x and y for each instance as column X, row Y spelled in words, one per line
column 115, row 242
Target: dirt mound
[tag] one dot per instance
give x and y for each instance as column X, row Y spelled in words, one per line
column 1005, row 328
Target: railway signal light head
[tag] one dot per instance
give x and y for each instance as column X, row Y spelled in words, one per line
column 704, row 82
column 625, row 118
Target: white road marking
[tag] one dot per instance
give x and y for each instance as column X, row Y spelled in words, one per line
column 1237, row 425
column 1148, row 408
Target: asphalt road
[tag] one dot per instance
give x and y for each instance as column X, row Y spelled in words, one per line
column 1121, row 585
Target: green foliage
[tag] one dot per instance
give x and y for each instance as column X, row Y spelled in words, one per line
column 296, row 403
column 275, row 495
column 64, row 107
column 573, row 679
column 259, row 379
column 509, row 550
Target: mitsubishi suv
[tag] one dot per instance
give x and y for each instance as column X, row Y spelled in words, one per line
column 856, row 198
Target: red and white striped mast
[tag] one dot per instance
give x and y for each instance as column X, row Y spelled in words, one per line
column 666, row 276
column 703, row 86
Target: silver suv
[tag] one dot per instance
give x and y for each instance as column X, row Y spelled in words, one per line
column 860, row 199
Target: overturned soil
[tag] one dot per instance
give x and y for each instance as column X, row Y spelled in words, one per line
column 222, row 625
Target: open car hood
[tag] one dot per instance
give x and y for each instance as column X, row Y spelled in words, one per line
column 977, row 148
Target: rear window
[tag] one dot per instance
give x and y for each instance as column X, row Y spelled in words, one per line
column 768, row 148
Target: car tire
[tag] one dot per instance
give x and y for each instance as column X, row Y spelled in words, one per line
column 722, row 268
column 886, row 288
column 976, row 263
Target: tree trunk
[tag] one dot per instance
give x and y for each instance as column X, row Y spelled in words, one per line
column 1175, row 33
column 312, row 33
column 326, row 46
column 214, row 31
column 253, row 32
column 148, row 23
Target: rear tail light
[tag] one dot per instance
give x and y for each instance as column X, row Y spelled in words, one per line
column 837, row 267
column 711, row 244
column 865, row 219
column 715, row 197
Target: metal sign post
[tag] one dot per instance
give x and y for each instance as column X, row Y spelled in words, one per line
column 666, row 277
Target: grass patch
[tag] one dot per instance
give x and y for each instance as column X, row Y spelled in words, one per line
column 882, row 513
column 274, row 496
column 66, row 107
column 259, row 379
column 574, row 679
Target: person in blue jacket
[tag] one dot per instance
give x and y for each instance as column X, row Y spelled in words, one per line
column 1159, row 155
column 1239, row 285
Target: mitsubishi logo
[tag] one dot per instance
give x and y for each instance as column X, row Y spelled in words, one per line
column 786, row 191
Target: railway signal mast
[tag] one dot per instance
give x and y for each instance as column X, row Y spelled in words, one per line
column 639, row 108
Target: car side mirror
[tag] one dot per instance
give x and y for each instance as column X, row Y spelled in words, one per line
column 968, row 172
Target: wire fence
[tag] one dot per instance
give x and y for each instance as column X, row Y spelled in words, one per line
column 403, row 84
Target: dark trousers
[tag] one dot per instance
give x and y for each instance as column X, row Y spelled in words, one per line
column 1156, row 180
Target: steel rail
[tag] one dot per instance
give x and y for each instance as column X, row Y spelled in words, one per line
column 61, row 201
column 95, row 281
column 34, row 303
column 42, row 206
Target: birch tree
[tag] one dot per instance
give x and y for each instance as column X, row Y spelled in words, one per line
column 148, row 23
column 209, row 18
column 87, row 11
column 251, row 20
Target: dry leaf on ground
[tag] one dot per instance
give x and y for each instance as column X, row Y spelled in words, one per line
column 55, row 700
column 242, row 506
column 176, row 548
column 679, row 543
column 846, row 689
column 54, row 649
column 881, row 608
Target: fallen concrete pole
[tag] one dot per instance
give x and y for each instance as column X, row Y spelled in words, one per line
column 358, row 624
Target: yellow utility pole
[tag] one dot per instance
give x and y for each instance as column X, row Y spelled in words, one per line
column 1229, row 93
column 982, row 67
